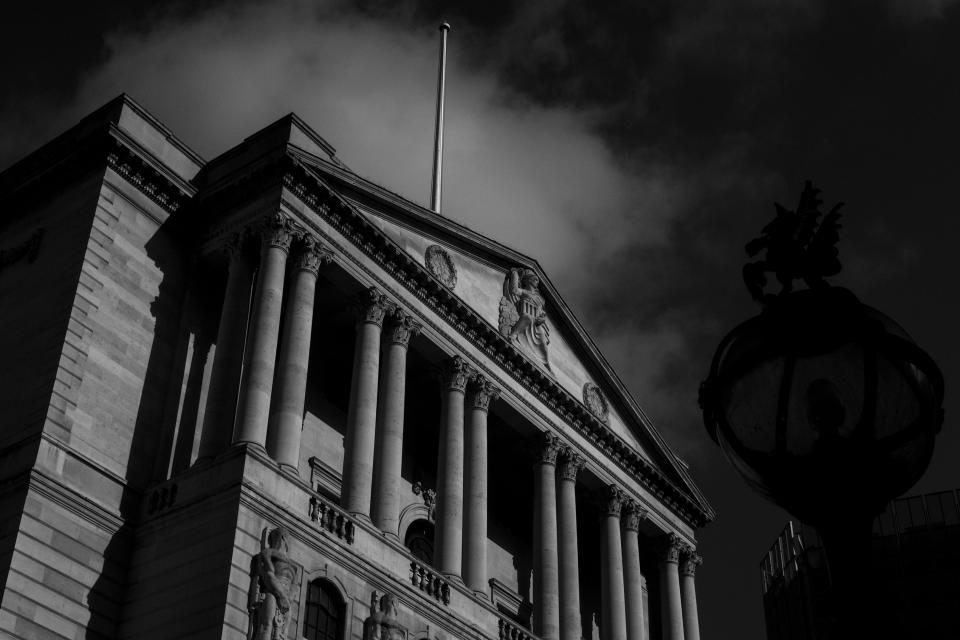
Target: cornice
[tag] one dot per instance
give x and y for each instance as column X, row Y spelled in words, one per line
column 353, row 226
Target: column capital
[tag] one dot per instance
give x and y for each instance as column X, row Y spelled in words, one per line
column 456, row 374
column 633, row 515
column 612, row 499
column 482, row 393
column 276, row 231
column 570, row 465
column 311, row 255
column 689, row 561
column 371, row 306
column 670, row 547
column 546, row 448
column 402, row 327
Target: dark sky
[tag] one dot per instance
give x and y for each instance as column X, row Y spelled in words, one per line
column 632, row 147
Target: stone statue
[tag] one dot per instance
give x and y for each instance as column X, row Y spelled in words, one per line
column 382, row 624
column 272, row 576
column 798, row 245
column 523, row 318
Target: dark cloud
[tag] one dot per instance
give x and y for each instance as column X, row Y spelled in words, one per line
column 633, row 147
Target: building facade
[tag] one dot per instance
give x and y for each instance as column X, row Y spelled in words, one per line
column 916, row 573
column 262, row 397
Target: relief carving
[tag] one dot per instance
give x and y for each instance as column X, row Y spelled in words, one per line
column 372, row 306
column 456, row 374
column 548, row 448
column 689, row 563
column 613, row 499
column 633, row 515
column 595, row 401
column 670, row 549
column 523, row 317
column 272, row 576
column 482, row 393
column 312, row 255
column 277, row 232
column 382, row 623
column 571, row 463
column 429, row 498
column 441, row 265
column 28, row 249
column 402, row 328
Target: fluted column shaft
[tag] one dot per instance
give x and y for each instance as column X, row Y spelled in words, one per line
column 253, row 411
column 671, row 614
column 567, row 550
column 358, row 443
column 546, row 577
column 480, row 394
column 448, row 549
column 688, row 568
column 289, row 398
column 613, row 622
column 633, row 515
column 388, row 450
column 228, row 357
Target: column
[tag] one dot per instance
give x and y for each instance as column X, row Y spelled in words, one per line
column 633, row 515
column 286, row 412
column 388, row 449
column 228, row 356
column 688, row 567
column 546, row 578
column 570, row 465
column 358, row 443
column 448, row 548
column 613, row 619
column 671, row 614
column 481, row 393
column 261, row 352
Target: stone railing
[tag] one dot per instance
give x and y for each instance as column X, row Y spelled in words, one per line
column 430, row 582
column 511, row 631
column 331, row 519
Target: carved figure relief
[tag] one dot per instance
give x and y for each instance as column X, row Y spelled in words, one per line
column 382, row 623
column 441, row 265
column 595, row 401
column 523, row 317
column 272, row 576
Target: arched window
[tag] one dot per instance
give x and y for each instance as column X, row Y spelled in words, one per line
column 325, row 612
column 419, row 540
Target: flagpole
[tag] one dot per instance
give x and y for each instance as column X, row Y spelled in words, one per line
column 438, row 130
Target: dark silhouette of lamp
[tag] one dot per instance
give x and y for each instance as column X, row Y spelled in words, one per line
column 823, row 404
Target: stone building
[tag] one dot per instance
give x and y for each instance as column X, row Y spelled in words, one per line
column 260, row 396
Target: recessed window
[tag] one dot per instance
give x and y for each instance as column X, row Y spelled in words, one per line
column 325, row 612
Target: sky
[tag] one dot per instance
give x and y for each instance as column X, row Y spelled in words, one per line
column 632, row 148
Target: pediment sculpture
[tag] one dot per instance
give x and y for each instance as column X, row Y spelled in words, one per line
column 272, row 576
column 523, row 315
column 441, row 265
column 382, row 623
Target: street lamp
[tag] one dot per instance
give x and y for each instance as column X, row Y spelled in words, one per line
column 822, row 404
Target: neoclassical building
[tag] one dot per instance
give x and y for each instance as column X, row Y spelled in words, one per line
column 262, row 397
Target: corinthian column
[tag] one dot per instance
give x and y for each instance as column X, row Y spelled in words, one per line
column 613, row 620
column 546, row 578
column 228, row 357
column 449, row 538
column 286, row 414
column 570, row 465
column 362, row 413
column 688, row 567
column 261, row 352
column 671, row 614
column 481, row 393
column 388, row 453
column 633, row 515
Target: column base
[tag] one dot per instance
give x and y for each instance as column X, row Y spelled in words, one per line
column 362, row 517
column 454, row 579
column 290, row 469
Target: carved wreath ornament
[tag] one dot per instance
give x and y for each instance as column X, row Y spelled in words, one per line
column 441, row 265
column 595, row 401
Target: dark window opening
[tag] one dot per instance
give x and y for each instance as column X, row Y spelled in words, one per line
column 419, row 540
column 325, row 612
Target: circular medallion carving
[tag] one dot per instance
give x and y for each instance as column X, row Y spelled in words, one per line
column 441, row 265
column 596, row 402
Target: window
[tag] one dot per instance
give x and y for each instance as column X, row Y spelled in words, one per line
column 419, row 540
column 325, row 612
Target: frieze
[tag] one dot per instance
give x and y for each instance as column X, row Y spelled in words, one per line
column 353, row 226
column 595, row 401
column 441, row 265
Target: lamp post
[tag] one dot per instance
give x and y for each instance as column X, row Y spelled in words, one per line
column 823, row 404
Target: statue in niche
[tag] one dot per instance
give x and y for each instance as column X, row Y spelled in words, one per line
column 272, row 576
column 523, row 318
column 382, row 624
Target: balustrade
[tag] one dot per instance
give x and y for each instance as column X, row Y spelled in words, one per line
column 430, row 582
column 331, row 519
